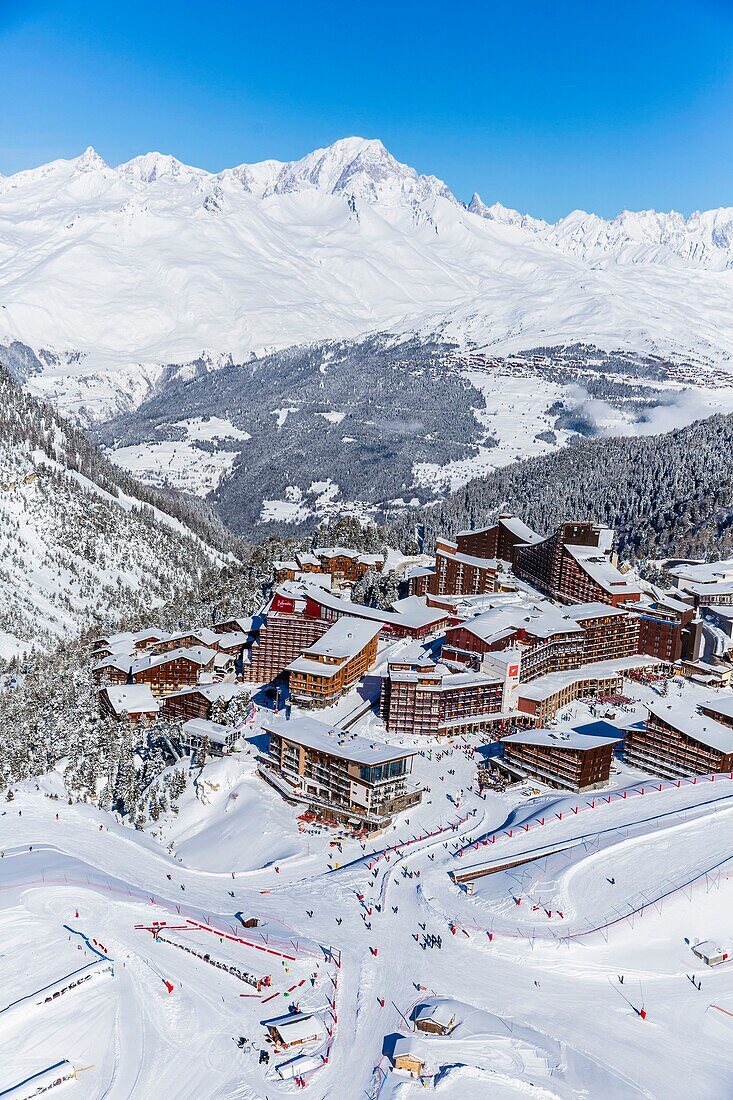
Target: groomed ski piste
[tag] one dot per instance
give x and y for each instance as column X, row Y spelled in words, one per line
column 133, row 959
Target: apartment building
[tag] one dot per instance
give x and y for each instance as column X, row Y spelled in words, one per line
column 566, row 759
column 680, row 738
column 333, row 663
column 545, row 696
column 427, row 699
column 575, row 565
column 340, row 776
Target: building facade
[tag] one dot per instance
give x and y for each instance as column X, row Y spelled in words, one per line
column 341, row 777
column 334, row 663
column 679, row 739
column 568, row 760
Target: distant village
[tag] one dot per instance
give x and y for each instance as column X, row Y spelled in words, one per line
column 496, row 636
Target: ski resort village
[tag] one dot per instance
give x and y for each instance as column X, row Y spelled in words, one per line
column 457, row 822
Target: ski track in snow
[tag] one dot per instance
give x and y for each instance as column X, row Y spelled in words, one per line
column 139, row 1041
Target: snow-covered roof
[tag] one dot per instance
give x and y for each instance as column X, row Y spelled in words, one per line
column 545, row 686
column 297, row 1027
column 131, row 699
column 121, row 661
column 440, row 1012
column 600, row 569
column 719, row 703
column 411, row 613
column 517, row 527
column 213, row 692
column 199, row 655
column 703, row 572
column 581, row 611
column 561, row 739
column 313, row 734
column 232, row 639
column 346, row 638
column 684, row 715
column 710, row 588
column 541, row 620
column 247, row 625
column 336, row 552
column 308, row 667
column 215, row 732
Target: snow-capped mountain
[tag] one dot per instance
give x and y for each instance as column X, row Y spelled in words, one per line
column 114, row 276
column 703, row 240
column 77, row 544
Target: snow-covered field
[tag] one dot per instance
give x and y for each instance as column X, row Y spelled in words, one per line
column 540, row 1006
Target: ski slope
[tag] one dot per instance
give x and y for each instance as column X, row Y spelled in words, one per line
column 541, row 1007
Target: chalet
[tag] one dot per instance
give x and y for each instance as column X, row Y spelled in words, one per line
column 567, row 759
column 198, row 701
column 248, row 625
column 338, row 775
column 197, row 732
column 167, row 672
column 710, row 953
column 409, row 1057
column 437, row 1018
column 135, row 702
column 334, row 663
column 185, row 639
column 294, row 1030
column 114, row 669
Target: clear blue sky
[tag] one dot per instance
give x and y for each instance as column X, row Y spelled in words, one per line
column 543, row 106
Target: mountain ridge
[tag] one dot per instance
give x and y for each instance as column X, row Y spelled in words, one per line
column 113, row 277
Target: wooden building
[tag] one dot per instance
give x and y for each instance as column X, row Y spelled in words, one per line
column 566, row 759
column 294, row 1030
column 134, row 702
column 198, row 701
column 680, row 738
column 168, row 672
column 334, row 663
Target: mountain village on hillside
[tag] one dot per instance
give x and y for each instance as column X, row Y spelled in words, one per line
column 514, row 672
column 500, row 636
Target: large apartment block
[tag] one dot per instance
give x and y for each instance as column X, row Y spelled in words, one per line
column 340, row 776
column 334, row 663
column 470, row 564
column 426, row 699
column 575, row 565
column 680, row 738
column 567, row 759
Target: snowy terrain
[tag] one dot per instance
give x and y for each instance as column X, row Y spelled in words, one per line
column 74, row 550
column 111, row 274
column 530, row 967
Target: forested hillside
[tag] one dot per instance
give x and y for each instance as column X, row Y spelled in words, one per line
column 665, row 495
column 80, row 541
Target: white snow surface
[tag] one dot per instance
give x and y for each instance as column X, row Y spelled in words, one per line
column 535, row 987
column 114, row 273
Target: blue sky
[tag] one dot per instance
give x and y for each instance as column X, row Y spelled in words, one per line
column 542, row 106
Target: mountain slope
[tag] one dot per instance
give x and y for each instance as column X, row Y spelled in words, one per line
column 79, row 540
column 112, row 275
column 670, row 494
